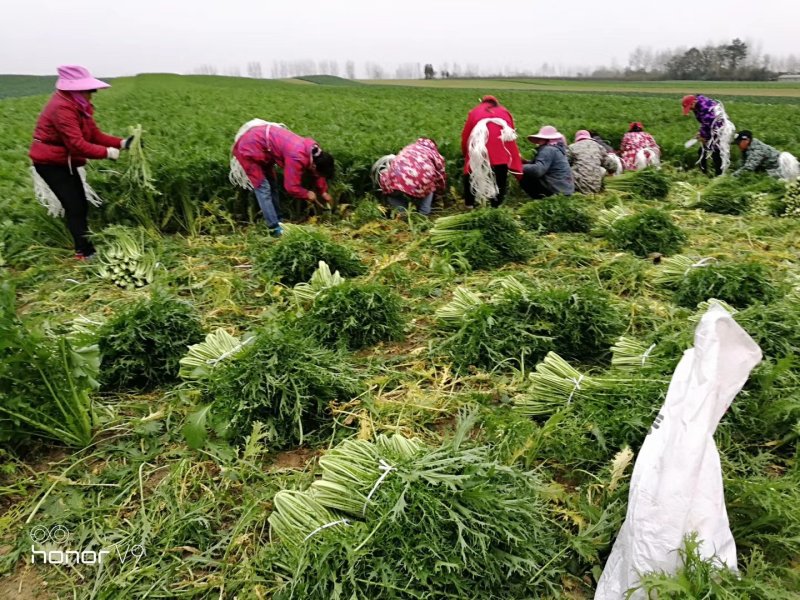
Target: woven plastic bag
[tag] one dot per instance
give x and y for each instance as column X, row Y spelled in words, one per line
column 676, row 486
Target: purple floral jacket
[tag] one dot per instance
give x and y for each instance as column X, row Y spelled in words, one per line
column 704, row 112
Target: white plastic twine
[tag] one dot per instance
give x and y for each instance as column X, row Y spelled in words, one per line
column 234, row 350
column 577, row 387
column 722, row 132
column 386, row 468
column 381, row 166
column 789, row 167
column 326, row 526
column 50, row 201
column 647, row 352
column 482, row 181
column 703, row 262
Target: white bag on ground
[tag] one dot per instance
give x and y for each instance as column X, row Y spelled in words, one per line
column 676, row 486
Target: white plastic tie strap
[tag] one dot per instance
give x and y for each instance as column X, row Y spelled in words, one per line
column 326, row 526
column 232, row 351
column 703, row 262
column 386, row 468
column 577, row 387
column 647, row 352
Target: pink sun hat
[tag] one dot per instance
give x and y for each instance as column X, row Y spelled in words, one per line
column 73, row 78
column 582, row 135
column 548, row 132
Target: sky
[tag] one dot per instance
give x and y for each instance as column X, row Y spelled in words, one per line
column 114, row 38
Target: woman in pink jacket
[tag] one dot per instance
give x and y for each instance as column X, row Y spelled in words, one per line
column 259, row 147
column 639, row 149
column 65, row 137
column 416, row 173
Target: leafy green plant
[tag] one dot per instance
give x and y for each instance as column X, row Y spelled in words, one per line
column 486, row 238
column 367, row 210
column 651, row 230
column 650, row 184
column 740, row 284
column 294, row 257
column 396, row 519
column 355, row 315
column 45, row 381
column 556, row 214
column 281, row 378
column 735, row 195
column 143, row 344
column 520, row 325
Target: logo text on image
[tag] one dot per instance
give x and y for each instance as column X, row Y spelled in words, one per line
column 59, row 535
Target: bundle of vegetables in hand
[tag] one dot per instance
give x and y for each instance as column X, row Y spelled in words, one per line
column 123, row 259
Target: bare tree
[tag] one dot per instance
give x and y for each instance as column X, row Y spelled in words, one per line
column 254, row 70
column 350, row 69
column 206, row 70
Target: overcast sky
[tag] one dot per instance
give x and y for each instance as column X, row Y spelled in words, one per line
column 119, row 37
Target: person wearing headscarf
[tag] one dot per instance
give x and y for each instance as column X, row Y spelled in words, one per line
column 416, row 174
column 259, row 147
column 610, row 152
column 590, row 163
column 758, row 157
column 639, row 149
column 488, row 143
column 715, row 134
column 66, row 136
column 549, row 172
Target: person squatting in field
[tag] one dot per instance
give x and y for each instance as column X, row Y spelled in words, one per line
column 549, row 172
column 65, row 137
column 609, row 150
column 416, row 173
column 488, row 143
column 639, row 149
column 589, row 162
column 259, row 147
column 716, row 131
column 758, row 157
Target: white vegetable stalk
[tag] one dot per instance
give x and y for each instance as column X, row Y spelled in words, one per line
column 481, row 179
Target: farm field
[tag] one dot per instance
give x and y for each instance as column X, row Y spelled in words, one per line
column 433, row 337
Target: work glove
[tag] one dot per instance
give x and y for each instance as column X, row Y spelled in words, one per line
column 126, row 143
column 112, row 153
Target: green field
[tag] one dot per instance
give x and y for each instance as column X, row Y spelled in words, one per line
column 196, row 489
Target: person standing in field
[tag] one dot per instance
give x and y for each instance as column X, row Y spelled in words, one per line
column 590, row 162
column 488, row 143
column 65, row 137
column 758, row 157
column 716, row 131
column 549, row 173
column 260, row 146
column 639, row 149
column 416, row 173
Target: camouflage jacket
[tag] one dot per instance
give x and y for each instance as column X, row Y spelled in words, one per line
column 760, row 157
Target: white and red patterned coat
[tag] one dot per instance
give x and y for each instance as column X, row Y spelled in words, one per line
column 416, row 171
column 632, row 142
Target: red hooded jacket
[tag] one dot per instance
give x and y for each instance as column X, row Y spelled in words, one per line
column 500, row 153
column 66, row 135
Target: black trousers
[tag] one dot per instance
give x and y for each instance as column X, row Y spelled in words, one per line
column 68, row 188
column 501, row 177
column 535, row 187
column 716, row 159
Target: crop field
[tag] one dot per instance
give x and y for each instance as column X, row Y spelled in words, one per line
column 226, row 417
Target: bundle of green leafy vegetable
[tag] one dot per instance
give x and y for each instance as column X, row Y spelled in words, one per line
column 556, row 214
column 650, row 184
column 644, row 233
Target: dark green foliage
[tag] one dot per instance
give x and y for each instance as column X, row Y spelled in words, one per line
column 738, row 284
column 367, row 210
column 556, row 214
column 283, row 379
column 355, row 315
column 518, row 328
column 296, row 255
column 649, row 231
column 650, row 184
column 487, row 238
column 142, row 344
column 734, row 195
column 775, row 327
column 624, row 274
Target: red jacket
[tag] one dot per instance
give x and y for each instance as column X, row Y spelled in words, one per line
column 264, row 146
column 417, row 171
column 66, row 135
column 500, row 153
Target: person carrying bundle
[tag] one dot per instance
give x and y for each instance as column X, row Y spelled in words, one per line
column 259, row 147
column 488, row 142
column 416, row 173
column 716, row 131
column 590, row 162
column 65, row 137
column 758, row 157
column 639, row 149
column 549, row 173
